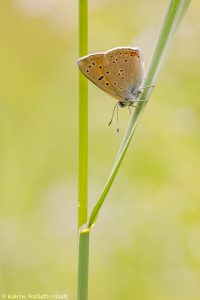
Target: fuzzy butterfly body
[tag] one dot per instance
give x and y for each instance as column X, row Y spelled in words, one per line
column 119, row 72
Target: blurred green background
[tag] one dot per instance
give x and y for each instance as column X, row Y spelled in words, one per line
column 146, row 244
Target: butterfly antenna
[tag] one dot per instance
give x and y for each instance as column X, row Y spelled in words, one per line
column 113, row 114
column 117, row 118
column 129, row 109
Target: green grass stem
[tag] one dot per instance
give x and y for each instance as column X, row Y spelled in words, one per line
column 83, row 118
column 83, row 262
column 83, row 252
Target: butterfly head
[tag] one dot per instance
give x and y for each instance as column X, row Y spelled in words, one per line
column 131, row 97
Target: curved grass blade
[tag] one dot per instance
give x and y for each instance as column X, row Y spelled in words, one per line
column 173, row 16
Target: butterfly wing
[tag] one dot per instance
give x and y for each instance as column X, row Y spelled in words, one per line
column 93, row 68
column 124, row 69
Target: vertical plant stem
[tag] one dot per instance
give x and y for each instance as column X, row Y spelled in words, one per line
column 83, row 118
column 83, row 262
column 83, row 255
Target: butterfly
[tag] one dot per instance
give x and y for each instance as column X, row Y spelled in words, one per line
column 119, row 72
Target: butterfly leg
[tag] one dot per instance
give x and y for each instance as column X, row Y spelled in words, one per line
column 140, row 100
column 147, row 87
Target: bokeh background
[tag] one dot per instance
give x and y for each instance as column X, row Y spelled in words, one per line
column 146, row 244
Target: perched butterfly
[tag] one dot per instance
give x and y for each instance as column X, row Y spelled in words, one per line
column 119, row 72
